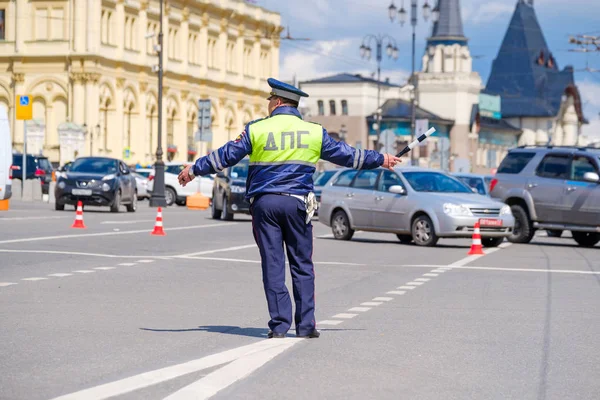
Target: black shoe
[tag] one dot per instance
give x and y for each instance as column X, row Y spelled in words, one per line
column 313, row 335
column 275, row 335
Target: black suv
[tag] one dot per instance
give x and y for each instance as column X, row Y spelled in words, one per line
column 552, row 188
column 229, row 190
column 38, row 167
column 97, row 181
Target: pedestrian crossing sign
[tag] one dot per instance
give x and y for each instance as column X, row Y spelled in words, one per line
column 24, row 108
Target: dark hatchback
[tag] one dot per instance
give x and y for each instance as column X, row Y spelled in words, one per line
column 97, row 181
column 229, row 190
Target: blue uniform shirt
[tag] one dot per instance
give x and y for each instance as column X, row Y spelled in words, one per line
column 261, row 179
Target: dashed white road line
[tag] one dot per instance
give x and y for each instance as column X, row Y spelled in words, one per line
column 359, row 309
column 145, row 261
column 371, row 303
column 4, row 284
column 34, row 279
column 383, row 299
column 406, row 287
column 430, row 274
column 84, row 271
column 60, row 275
column 329, row 322
column 422, row 280
column 439, row 271
column 126, row 264
column 74, row 253
column 414, row 283
column 105, row 268
column 553, row 271
column 344, row 315
column 398, row 292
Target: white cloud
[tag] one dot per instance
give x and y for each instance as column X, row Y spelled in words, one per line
column 486, row 12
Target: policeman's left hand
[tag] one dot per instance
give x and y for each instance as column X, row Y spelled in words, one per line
column 184, row 176
column 390, row 161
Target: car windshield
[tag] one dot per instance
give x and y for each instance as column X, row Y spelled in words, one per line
column 323, row 178
column 474, row 182
column 44, row 164
column 240, row 171
column 94, row 165
column 435, row 182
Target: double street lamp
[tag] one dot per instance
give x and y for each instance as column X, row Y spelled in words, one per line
column 392, row 52
column 402, row 14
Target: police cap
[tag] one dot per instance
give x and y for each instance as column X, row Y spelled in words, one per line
column 282, row 89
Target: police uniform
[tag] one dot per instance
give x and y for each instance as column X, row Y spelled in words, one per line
column 283, row 151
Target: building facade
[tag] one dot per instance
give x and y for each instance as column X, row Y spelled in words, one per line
column 88, row 66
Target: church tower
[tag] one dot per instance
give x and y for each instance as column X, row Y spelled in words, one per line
column 447, row 85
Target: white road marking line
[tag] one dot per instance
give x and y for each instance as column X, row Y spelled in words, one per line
column 439, row 271
column 430, row 274
column 29, row 218
column 34, row 279
column 344, row 315
column 218, row 380
column 359, row 309
column 127, row 222
column 112, row 233
column 328, row 236
column 75, row 253
column 383, row 299
column 466, row 260
column 414, row 283
column 201, row 253
column 126, row 264
column 505, row 245
column 395, row 292
column 339, row 263
column 105, row 268
column 84, row 271
column 371, row 303
column 145, row 261
column 60, row 275
column 4, row 284
column 554, row 271
column 221, row 259
column 150, row 378
column 406, row 287
column 422, row 280
column 329, row 322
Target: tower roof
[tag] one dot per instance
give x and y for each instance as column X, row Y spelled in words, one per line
column 448, row 29
column 525, row 73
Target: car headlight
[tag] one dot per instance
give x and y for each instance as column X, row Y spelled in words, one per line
column 109, row 177
column 238, row 189
column 505, row 210
column 457, row 210
column 106, row 187
column 61, row 185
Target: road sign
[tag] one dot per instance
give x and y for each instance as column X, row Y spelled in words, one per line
column 24, row 108
column 204, row 134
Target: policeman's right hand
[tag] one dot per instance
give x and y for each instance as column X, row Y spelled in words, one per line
column 390, row 161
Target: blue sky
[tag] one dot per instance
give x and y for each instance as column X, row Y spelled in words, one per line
column 337, row 27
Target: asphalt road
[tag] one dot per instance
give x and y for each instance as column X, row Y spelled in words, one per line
column 111, row 311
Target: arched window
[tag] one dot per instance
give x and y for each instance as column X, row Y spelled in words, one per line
column 321, row 107
column 344, row 107
column 331, row 107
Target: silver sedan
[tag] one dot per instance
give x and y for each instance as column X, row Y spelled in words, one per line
column 420, row 205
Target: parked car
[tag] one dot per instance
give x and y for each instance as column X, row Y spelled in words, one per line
column 142, row 185
column 38, row 167
column 479, row 182
column 416, row 204
column 6, row 172
column 97, row 181
column 174, row 192
column 320, row 179
column 552, row 188
column 229, row 190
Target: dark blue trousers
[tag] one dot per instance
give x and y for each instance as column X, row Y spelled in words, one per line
column 279, row 220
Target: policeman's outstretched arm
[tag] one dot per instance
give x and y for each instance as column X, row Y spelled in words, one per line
column 345, row 155
column 226, row 156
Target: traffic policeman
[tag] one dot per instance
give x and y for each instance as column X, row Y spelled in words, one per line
column 284, row 150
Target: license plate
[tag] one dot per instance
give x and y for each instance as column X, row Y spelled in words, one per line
column 82, row 192
column 490, row 222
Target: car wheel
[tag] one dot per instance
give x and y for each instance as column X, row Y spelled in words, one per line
column 59, row 207
column 170, row 196
column 181, row 201
column 523, row 230
column 134, row 203
column 491, row 241
column 554, row 232
column 216, row 214
column 423, row 232
column 340, row 226
column 586, row 239
column 227, row 216
column 404, row 239
column 116, row 202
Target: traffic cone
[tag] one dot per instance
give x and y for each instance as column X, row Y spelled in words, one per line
column 476, row 248
column 79, row 217
column 158, row 225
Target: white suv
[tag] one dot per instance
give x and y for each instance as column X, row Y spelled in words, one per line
column 174, row 192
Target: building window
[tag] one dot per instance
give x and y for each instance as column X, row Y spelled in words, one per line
column 130, row 33
column 152, row 27
column 212, row 53
column 106, row 31
column 331, row 107
column 173, row 49
column 248, row 70
column 264, row 63
column 231, row 57
column 344, row 107
column 193, row 49
column 321, row 107
column 49, row 23
column 2, row 24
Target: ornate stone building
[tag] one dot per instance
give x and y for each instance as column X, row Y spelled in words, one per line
column 89, row 67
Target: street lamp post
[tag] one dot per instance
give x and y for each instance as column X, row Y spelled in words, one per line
column 157, row 198
column 392, row 52
column 402, row 14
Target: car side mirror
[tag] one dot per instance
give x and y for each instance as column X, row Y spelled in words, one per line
column 591, row 177
column 397, row 189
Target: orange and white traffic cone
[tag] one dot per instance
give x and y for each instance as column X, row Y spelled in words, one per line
column 158, row 225
column 79, row 217
column 476, row 248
